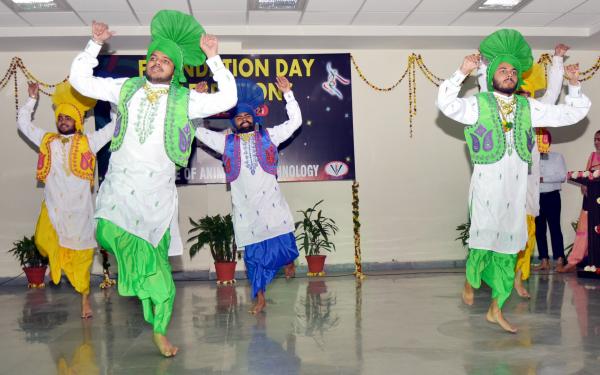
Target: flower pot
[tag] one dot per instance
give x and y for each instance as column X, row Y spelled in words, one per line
column 35, row 276
column 225, row 272
column 316, row 263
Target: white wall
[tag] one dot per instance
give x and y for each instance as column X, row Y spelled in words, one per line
column 412, row 190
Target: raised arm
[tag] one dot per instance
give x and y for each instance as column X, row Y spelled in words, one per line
column 212, row 139
column 576, row 106
column 555, row 75
column 203, row 104
column 463, row 110
column 24, row 123
column 82, row 69
column 283, row 131
column 101, row 137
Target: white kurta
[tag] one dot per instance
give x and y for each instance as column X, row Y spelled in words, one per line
column 554, row 86
column 259, row 209
column 139, row 193
column 68, row 198
column 498, row 191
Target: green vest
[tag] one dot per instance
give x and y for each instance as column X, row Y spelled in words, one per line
column 179, row 131
column 485, row 138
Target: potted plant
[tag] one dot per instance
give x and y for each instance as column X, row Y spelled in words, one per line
column 33, row 263
column 216, row 232
column 315, row 232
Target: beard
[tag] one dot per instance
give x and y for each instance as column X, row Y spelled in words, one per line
column 504, row 89
column 245, row 129
column 68, row 131
column 155, row 79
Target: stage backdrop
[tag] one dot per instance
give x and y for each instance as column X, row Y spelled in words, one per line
column 322, row 149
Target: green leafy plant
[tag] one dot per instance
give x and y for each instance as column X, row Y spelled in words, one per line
column 216, row 232
column 316, row 231
column 463, row 232
column 27, row 253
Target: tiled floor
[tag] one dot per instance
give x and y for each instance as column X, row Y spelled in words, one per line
column 388, row 324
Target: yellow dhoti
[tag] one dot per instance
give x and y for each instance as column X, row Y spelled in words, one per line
column 524, row 256
column 76, row 264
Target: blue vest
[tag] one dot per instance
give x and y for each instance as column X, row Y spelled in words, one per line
column 266, row 152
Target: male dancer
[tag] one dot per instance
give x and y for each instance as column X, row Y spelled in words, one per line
column 65, row 228
column 137, row 202
column 262, row 220
column 534, row 80
column 500, row 139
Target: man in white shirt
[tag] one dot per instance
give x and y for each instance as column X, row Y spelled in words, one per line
column 262, row 220
column 66, row 163
column 500, row 136
column 553, row 172
column 137, row 202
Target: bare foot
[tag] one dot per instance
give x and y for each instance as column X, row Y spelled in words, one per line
column 544, row 266
column 521, row 291
column 568, row 268
column 86, row 308
column 468, row 295
column 494, row 315
column 290, row 271
column 164, row 346
column 260, row 305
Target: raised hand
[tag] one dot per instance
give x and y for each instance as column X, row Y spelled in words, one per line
column 283, row 84
column 210, row 45
column 561, row 49
column 572, row 73
column 100, row 32
column 33, row 88
column 201, row 87
column 470, row 63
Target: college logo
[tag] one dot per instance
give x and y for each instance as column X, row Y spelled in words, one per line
column 336, row 169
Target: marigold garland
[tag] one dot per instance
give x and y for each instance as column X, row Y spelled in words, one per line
column 355, row 220
column 416, row 61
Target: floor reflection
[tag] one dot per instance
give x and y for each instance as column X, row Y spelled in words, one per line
column 387, row 324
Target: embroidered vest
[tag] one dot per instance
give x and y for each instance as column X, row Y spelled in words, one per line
column 82, row 160
column 179, row 132
column 486, row 140
column 266, row 153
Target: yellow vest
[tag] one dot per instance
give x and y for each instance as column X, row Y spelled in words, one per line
column 82, row 160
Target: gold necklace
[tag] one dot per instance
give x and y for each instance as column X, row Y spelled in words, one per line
column 246, row 136
column 153, row 94
column 506, row 108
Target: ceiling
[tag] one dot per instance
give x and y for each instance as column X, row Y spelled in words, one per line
column 330, row 24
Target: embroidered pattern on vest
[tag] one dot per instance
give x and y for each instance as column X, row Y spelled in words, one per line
column 486, row 138
column 82, row 161
column 232, row 160
column 266, row 152
column 178, row 131
column 268, row 156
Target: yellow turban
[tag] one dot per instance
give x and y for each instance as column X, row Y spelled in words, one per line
column 534, row 80
column 68, row 101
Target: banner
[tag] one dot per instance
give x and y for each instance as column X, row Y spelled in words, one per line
column 322, row 149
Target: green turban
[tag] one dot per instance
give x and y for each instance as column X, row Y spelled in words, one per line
column 509, row 46
column 177, row 35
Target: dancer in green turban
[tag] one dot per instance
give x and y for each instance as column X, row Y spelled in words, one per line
column 137, row 202
column 499, row 135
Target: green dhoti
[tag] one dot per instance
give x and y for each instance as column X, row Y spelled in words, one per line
column 497, row 270
column 144, row 271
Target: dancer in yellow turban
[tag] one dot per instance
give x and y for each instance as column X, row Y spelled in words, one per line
column 65, row 228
